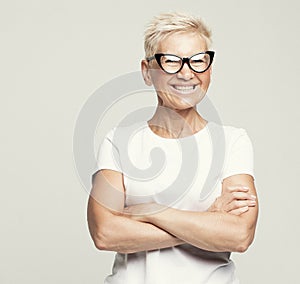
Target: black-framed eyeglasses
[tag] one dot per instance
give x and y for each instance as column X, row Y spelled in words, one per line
column 172, row 64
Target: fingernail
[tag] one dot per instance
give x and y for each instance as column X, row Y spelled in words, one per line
column 244, row 209
column 253, row 197
column 245, row 187
column 252, row 202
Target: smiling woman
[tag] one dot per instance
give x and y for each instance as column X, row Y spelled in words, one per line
column 186, row 88
column 165, row 226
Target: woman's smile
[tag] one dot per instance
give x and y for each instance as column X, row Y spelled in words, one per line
column 184, row 89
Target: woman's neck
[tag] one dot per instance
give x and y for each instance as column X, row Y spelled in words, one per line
column 170, row 123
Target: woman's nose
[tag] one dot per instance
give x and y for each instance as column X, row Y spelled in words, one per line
column 185, row 73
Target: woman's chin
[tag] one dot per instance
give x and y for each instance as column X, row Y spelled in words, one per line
column 182, row 105
column 188, row 102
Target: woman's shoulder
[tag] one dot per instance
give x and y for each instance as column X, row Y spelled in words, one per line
column 227, row 129
column 227, row 133
column 120, row 132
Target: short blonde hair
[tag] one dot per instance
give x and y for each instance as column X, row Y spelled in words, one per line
column 167, row 23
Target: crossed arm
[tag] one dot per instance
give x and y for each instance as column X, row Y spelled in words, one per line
column 228, row 225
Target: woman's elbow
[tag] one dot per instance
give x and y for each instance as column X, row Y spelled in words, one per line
column 244, row 241
column 99, row 239
column 242, row 247
column 100, row 232
column 104, row 241
column 100, row 244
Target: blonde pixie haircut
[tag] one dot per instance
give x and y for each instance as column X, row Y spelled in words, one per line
column 167, row 23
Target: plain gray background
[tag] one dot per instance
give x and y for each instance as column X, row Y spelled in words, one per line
column 55, row 54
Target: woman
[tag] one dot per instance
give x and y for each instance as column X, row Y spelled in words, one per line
column 167, row 229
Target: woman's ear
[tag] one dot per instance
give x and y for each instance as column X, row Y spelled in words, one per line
column 146, row 72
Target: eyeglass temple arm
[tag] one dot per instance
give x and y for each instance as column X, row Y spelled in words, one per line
column 150, row 58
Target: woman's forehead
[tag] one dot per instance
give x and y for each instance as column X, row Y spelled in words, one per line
column 182, row 43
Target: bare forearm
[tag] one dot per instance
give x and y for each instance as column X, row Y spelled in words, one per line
column 121, row 234
column 128, row 236
column 212, row 231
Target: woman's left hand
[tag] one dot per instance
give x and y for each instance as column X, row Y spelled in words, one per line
column 234, row 200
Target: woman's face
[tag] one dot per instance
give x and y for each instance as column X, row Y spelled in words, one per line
column 186, row 88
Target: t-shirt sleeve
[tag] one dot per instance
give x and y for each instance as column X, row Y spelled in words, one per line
column 108, row 154
column 240, row 156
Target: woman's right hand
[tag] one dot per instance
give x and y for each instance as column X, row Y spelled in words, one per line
column 234, row 200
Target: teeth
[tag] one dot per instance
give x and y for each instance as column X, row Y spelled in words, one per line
column 184, row 88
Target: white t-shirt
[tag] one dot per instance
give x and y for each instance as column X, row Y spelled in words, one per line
column 184, row 173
